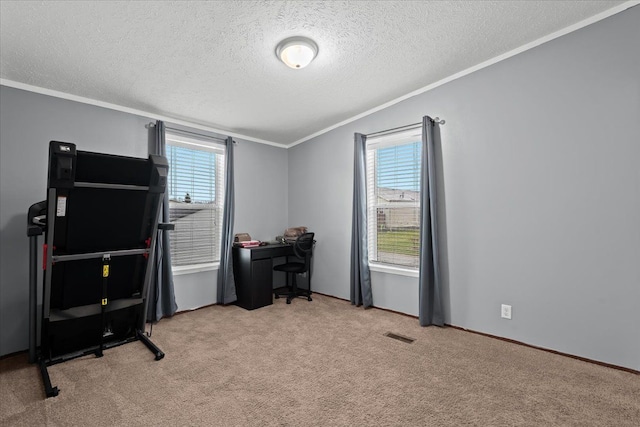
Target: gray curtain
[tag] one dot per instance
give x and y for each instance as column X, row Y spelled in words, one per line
column 360, row 277
column 430, row 312
column 161, row 298
column 226, row 284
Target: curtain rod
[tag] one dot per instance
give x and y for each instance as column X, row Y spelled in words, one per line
column 437, row 120
column 152, row 125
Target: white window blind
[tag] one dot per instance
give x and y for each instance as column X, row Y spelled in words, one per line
column 393, row 198
column 196, row 197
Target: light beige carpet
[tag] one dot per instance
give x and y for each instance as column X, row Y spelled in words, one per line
column 320, row 363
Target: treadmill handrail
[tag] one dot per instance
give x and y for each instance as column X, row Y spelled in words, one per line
column 89, row 255
column 111, row 186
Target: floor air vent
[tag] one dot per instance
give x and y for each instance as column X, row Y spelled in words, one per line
column 399, row 337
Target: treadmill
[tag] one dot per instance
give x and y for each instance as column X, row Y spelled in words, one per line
column 100, row 224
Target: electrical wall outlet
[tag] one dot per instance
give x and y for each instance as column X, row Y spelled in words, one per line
column 506, row 311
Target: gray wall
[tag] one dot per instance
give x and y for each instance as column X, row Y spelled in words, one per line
column 29, row 121
column 262, row 190
column 540, row 182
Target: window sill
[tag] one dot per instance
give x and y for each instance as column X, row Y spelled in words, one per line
column 401, row 271
column 195, row 268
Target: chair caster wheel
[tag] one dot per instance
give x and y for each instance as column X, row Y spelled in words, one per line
column 288, row 301
column 309, row 299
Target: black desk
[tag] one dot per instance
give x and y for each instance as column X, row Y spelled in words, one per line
column 253, row 273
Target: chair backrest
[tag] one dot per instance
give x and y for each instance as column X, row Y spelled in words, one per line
column 303, row 247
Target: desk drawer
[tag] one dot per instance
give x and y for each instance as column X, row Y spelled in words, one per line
column 266, row 252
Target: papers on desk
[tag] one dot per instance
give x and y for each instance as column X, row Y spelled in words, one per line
column 248, row 244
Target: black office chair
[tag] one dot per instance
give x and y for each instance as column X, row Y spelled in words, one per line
column 303, row 250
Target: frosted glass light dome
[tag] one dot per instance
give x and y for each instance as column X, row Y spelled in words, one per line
column 297, row 52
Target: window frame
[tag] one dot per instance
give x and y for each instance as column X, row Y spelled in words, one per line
column 409, row 135
column 210, row 144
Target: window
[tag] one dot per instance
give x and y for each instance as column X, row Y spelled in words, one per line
column 393, row 198
column 196, row 197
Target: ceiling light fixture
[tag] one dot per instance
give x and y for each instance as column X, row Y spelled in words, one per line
column 297, row 52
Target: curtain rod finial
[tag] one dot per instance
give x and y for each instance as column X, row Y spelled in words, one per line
column 439, row 120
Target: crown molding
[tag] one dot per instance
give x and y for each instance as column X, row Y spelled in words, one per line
column 599, row 17
column 151, row 116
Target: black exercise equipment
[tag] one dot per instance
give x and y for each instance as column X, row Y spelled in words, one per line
column 100, row 222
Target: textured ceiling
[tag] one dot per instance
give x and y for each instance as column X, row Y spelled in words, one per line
column 213, row 63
